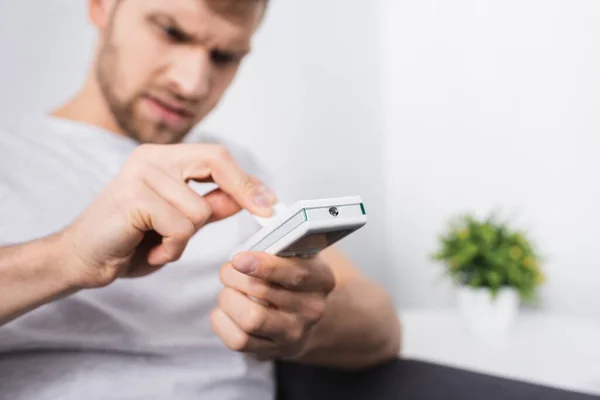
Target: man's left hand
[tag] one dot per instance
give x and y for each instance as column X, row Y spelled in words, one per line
column 289, row 294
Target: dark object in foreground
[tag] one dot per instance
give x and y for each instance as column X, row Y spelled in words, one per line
column 406, row 379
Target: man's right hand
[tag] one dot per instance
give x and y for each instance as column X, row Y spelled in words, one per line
column 145, row 217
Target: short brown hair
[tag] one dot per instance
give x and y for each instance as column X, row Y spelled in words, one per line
column 236, row 8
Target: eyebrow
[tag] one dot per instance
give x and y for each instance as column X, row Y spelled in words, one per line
column 166, row 19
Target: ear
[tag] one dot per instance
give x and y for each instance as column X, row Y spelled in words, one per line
column 100, row 12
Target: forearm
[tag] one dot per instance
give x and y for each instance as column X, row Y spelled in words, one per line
column 360, row 328
column 31, row 275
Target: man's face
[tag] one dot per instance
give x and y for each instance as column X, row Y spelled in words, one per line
column 163, row 65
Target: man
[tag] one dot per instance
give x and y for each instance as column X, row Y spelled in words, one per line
column 103, row 190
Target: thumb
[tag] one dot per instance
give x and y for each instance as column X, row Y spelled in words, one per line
column 222, row 205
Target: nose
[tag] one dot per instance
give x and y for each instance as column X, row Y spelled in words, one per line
column 191, row 75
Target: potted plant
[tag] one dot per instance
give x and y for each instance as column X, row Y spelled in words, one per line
column 494, row 266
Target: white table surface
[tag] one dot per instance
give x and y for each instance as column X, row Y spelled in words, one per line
column 555, row 351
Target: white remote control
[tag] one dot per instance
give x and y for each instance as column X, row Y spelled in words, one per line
column 308, row 226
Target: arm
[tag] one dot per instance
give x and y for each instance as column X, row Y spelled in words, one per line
column 359, row 327
column 140, row 222
column 31, row 275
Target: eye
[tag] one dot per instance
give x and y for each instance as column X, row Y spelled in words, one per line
column 174, row 34
column 223, row 58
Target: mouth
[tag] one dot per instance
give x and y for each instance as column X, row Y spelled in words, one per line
column 168, row 112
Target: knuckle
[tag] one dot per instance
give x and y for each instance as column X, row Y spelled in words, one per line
column 328, row 279
column 224, row 275
column 201, row 214
column 213, row 320
column 238, row 342
column 138, row 169
column 300, row 277
column 295, row 333
column 255, row 319
column 137, row 190
column 226, row 298
column 135, row 169
column 260, row 289
column 222, row 298
column 330, row 284
column 266, row 270
column 221, row 152
column 143, row 151
column 174, row 254
column 243, row 184
column 134, row 192
column 313, row 311
column 185, row 230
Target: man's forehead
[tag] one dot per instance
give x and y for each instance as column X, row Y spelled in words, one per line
column 241, row 12
column 220, row 23
column 242, row 8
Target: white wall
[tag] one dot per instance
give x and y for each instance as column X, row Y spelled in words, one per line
column 46, row 47
column 307, row 101
column 494, row 103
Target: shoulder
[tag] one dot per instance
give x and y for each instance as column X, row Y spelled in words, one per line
column 10, row 130
column 23, row 131
column 14, row 140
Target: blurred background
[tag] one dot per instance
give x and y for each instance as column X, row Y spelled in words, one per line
column 425, row 108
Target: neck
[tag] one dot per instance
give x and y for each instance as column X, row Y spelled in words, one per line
column 89, row 106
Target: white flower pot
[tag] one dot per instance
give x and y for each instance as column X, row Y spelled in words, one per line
column 485, row 316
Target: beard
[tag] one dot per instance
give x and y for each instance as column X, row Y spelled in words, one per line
column 123, row 110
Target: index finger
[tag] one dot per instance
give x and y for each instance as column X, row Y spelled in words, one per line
column 248, row 191
column 212, row 161
column 299, row 274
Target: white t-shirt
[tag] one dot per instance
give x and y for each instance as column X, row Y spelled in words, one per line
column 147, row 338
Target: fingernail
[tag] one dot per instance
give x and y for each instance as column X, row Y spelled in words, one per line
column 246, row 264
column 262, row 201
column 268, row 192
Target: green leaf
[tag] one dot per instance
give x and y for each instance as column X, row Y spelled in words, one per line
column 475, row 281
column 489, row 253
column 493, row 278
